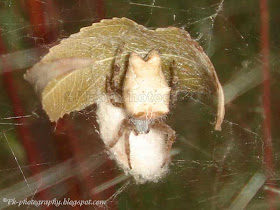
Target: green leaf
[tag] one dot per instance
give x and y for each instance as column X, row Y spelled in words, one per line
column 83, row 83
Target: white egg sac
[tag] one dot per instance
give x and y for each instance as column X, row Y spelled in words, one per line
column 147, row 151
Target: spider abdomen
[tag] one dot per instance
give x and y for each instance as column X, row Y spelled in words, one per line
column 147, row 100
column 146, row 92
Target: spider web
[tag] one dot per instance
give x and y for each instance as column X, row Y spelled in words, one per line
column 40, row 160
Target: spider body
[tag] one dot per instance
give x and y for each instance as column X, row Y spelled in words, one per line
column 145, row 99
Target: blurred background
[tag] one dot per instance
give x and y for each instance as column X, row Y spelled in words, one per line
column 236, row 168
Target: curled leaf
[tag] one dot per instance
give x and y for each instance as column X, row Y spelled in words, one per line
column 72, row 89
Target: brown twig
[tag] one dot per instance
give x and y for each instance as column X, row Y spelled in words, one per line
column 268, row 156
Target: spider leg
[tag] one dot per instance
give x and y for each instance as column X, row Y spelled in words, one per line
column 124, row 125
column 112, row 86
column 112, row 94
column 116, row 70
column 171, row 137
column 127, row 147
column 174, row 80
column 126, row 128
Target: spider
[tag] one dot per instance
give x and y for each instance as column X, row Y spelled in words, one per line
column 145, row 97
